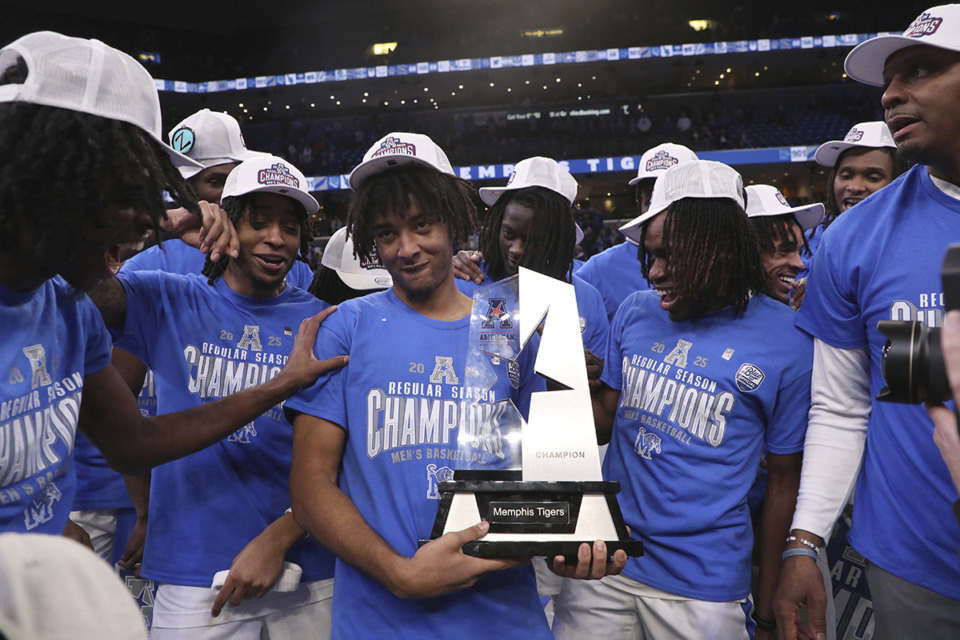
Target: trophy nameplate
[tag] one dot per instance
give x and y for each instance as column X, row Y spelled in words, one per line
column 537, row 482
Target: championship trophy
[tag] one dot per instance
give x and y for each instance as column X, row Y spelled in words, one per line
column 537, row 482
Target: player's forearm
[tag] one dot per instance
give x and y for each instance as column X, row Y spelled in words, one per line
column 138, row 488
column 604, row 409
column 836, row 435
column 163, row 438
column 328, row 515
column 283, row 532
column 778, row 507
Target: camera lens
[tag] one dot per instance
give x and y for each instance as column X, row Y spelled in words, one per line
column 912, row 364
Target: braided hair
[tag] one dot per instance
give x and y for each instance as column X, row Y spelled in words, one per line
column 65, row 172
column 549, row 246
column 714, row 256
column 238, row 207
column 448, row 197
column 774, row 231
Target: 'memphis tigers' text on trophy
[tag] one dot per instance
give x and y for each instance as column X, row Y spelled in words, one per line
column 537, row 483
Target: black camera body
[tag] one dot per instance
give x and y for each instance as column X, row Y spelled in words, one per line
column 913, row 367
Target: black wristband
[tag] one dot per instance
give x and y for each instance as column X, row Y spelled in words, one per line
column 763, row 624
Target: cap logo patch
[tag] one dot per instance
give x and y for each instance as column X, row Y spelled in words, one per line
column 925, row 25
column 183, row 140
column 782, row 200
column 395, row 147
column 513, row 175
column 854, row 135
column 371, row 262
column 278, row 174
column 661, row 161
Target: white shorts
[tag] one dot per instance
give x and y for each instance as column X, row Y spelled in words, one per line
column 100, row 525
column 620, row 608
column 182, row 613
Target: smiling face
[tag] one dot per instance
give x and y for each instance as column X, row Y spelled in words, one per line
column 269, row 235
column 417, row 251
column 514, row 230
column 105, row 248
column 859, row 173
column 660, row 274
column 921, row 91
column 782, row 263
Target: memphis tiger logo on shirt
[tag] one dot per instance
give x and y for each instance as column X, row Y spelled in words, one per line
column 646, row 443
column 436, row 475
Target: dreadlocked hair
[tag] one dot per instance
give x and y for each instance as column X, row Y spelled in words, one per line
column 448, row 197
column 236, row 207
column 773, row 231
column 64, row 172
column 831, row 206
column 714, row 257
column 549, row 245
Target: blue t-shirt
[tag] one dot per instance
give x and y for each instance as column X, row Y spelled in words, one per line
column 53, row 338
column 814, row 236
column 99, row 486
column 204, row 343
column 615, row 273
column 594, row 326
column 699, row 401
column 400, row 400
column 881, row 261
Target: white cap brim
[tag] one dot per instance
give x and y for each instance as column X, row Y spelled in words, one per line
column 189, row 172
column 826, row 154
column 631, row 231
column 490, row 195
column 366, row 169
column 808, row 215
column 365, row 281
column 308, row 201
column 866, row 61
column 640, row 179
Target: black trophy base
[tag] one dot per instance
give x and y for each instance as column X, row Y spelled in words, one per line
column 549, row 548
column 530, row 519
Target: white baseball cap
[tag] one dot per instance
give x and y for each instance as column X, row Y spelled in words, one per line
column 211, row 138
column 535, row 172
column 396, row 149
column 86, row 76
column 362, row 274
column 269, row 174
column 866, row 135
column 31, row 562
column 694, row 179
column 766, row 200
column 660, row 158
column 936, row 27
